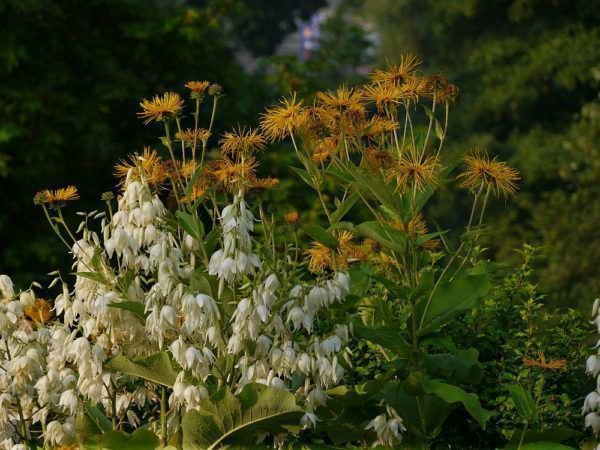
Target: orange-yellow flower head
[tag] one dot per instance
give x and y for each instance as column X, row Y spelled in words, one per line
column 197, row 88
column 160, row 107
column 321, row 257
column 39, row 312
column 397, row 74
column 482, row 172
column 282, row 120
column 345, row 101
column 58, row 197
column 386, row 96
column 292, row 217
column 242, row 141
column 415, row 170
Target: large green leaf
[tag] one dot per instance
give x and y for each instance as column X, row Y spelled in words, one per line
column 459, row 366
column 386, row 236
column 156, row 368
column 140, row 439
column 226, row 419
column 388, row 337
column 454, row 394
column 344, row 207
column 136, row 308
column 524, row 402
column 192, row 225
column 449, row 300
column 553, row 435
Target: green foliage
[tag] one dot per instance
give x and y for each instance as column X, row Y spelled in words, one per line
column 529, row 76
column 226, row 418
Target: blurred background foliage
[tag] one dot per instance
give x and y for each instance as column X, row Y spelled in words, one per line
column 72, row 74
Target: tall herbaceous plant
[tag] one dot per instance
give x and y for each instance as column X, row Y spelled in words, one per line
column 194, row 319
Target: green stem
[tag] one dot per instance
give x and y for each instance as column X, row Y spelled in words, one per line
column 163, row 417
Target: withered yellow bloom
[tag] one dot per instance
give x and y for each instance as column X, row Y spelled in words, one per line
column 264, row 183
column 280, row 121
column 39, row 312
column 148, row 166
column 242, row 140
column 229, row 174
column 160, row 107
column 190, row 136
column 481, row 171
column 415, row 170
column 552, row 364
column 57, row 198
column 397, row 74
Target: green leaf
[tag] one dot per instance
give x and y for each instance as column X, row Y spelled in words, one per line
column 439, row 131
column 554, row 435
column 449, row 300
column 388, row 237
column 98, row 417
column 454, row 394
column 344, row 207
column 190, row 224
column 156, row 368
column 136, row 308
column 388, row 337
column 524, row 402
column 321, row 235
column 545, row 446
column 226, row 419
column 304, row 175
column 98, row 278
column 460, row 366
column 140, row 439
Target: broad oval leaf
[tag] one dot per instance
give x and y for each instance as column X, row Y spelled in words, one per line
column 227, row 419
column 156, row 368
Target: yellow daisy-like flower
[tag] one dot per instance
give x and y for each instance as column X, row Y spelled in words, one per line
column 230, row 175
column 148, row 166
column 322, row 257
column 481, row 171
column 280, row 121
column 397, row 74
column 378, row 125
column 386, row 96
column 343, row 100
column 57, row 198
column 197, row 87
column 241, row 141
column 415, row 170
column 160, row 107
column 292, row 217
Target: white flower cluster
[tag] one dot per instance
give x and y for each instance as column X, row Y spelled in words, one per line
column 37, row 385
column 138, row 291
column 592, row 401
column 388, row 428
column 235, row 259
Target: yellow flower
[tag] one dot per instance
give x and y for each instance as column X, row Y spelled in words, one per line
column 378, row 125
column 147, row 166
column 242, row 140
column 281, row 121
column 58, row 197
column 230, row 175
column 322, row 257
column 386, row 96
column 160, row 108
column 344, row 100
column 197, row 87
column 292, row 217
column 481, row 171
column 397, row 74
column 415, row 170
